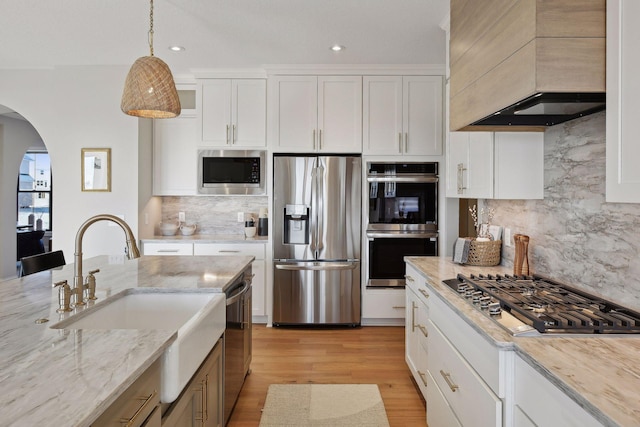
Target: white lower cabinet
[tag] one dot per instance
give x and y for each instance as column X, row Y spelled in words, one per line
column 167, row 248
column 416, row 337
column 383, row 306
column 538, row 402
column 258, row 286
column 439, row 411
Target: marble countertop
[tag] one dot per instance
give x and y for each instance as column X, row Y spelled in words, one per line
column 207, row 238
column 601, row 373
column 69, row 377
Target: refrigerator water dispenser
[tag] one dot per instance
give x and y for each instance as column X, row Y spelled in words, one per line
column 296, row 225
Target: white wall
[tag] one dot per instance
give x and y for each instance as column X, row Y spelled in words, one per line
column 16, row 137
column 72, row 108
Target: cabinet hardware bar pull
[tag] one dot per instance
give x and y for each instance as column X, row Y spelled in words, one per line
column 423, row 330
column 447, row 378
column 314, row 139
column 205, row 397
column 406, row 142
column 320, row 139
column 423, row 292
column 129, row 422
column 228, row 251
column 400, row 142
column 413, row 315
column 233, row 135
column 398, row 307
column 409, row 278
column 227, row 137
column 423, row 377
column 167, row 250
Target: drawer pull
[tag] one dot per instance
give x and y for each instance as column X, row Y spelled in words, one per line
column 409, row 278
column 398, row 307
column 168, row 250
column 424, row 330
column 423, row 292
column 447, row 378
column 131, row 421
column 413, row 315
column 229, row 252
column 423, row 376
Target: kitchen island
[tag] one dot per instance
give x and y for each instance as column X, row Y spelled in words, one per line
column 599, row 373
column 69, row 377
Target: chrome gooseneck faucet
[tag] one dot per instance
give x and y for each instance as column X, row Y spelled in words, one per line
column 132, row 251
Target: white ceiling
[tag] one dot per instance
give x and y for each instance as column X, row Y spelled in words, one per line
column 221, row 33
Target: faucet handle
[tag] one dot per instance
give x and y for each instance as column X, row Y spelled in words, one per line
column 64, row 296
column 90, row 285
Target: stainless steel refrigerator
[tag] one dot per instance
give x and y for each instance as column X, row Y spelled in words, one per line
column 316, row 240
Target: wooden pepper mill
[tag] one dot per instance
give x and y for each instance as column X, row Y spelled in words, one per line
column 521, row 260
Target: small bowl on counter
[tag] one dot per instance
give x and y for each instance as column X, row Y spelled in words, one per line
column 188, row 229
column 168, row 228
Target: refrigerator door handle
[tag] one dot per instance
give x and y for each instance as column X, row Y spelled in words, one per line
column 318, row 266
column 320, row 204
column 314, row 212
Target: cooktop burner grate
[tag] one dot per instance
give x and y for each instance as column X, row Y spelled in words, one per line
column 550, row 306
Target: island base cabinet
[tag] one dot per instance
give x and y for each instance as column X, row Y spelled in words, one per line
column 439, row 413
column 200, row 403
column 472, row 401
column 135, row 407
column 540, row 403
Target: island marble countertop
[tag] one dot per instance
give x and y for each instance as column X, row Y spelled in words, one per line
column 207, row 238
column 69, row 377
column 599, row 372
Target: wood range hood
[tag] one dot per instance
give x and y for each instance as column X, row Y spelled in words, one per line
column 525, row 64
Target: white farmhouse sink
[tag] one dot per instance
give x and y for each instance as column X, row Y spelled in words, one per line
column 199, row 318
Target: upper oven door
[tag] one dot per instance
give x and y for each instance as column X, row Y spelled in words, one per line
column 231, row 172
column 403, row 200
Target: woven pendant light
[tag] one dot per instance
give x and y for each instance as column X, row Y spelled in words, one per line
column 149, row 90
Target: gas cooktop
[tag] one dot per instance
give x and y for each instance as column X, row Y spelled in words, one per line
column 525, row 304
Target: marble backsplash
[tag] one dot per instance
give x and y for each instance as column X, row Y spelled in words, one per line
column 214, row 214
column 576, row 236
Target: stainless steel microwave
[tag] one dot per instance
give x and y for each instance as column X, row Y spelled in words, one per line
column 231, row 172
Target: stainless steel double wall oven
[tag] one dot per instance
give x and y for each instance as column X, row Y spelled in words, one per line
column 402, row 218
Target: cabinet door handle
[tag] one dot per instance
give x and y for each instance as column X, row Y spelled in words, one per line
column 314, row 139
column 447, row 378
column 233, row 135
column 409, row 278
column 413, row 315
column 400, row 142
column 131, row 421
column 205, row 398
column 461, row 170
column 423, row 377
column 406, row 142
column 168, row 250
column 423, row 292
column 399, row 307
column 423, row 330
column 320, row 139
column 228, row 251
column 227, row 135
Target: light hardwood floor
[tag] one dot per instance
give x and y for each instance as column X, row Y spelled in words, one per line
column 366, row 355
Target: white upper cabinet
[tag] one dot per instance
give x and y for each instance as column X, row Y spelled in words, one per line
column 233, row 112
column 501, row 165
column 316, row 113
column 174, row 156
column 402, row 115
column 623, row 90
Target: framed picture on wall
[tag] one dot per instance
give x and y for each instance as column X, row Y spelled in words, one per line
column 96, row 169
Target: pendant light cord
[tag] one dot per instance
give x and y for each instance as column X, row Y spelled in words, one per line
column 151, row 27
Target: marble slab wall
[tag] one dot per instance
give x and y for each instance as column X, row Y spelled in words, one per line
column 575, row 235
column 214, row 214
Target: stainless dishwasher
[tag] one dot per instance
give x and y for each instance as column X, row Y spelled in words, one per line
column 237, row 350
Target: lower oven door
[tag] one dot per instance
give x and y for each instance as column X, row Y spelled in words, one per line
column 387, row 252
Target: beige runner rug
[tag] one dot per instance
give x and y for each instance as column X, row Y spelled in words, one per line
column 324, row 405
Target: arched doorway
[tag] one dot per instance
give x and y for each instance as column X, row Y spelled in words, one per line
column 17, row 137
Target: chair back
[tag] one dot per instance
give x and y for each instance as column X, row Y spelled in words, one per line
column 41, row 262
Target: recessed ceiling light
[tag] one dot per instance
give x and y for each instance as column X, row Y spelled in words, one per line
column 176, row 48
column 337, row 48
